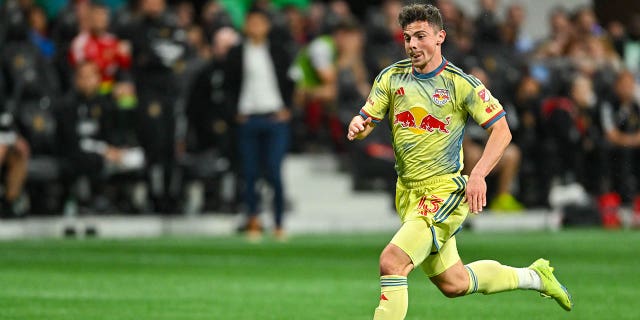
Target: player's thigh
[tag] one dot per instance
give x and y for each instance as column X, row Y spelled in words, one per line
column 416, row 240
column 439, row 262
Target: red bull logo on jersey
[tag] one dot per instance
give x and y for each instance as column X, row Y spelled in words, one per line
column 405, row 119
column 440, row 97
column 418, row 121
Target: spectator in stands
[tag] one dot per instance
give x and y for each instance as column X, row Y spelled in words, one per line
column 211, row 125
column 560, row 33
column 573, row 136
column 487, row 24
column 586, row 23
column 159, row 49
column 14, row 157
column 207, row 111
column 620, row 118
column 316, row 18
column 98, row 45
column 260, row 92
column 85, row 119
column 459, row 44
column 384, row 40
column 627, row 43
column 315, row 73
column 72, row 20
column 352, row 77
column 213, row 16
column 495, row 47
column 39, row 33
column 14, row 14
column 595, row 57
column 297, row 26
column 528, row 99
column 506, row 169
column 515, row 18
column 185, row 11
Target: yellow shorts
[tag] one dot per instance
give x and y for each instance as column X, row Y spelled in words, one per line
column 432, row 212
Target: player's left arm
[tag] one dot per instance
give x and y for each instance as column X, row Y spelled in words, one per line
column 499, row 139
column 487, row 111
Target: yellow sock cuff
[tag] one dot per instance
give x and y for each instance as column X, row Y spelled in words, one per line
column 394, row 299
column 473, row 281
column 393, row 283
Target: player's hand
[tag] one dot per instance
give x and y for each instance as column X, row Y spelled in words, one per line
column 476, row 193
column 356, row 126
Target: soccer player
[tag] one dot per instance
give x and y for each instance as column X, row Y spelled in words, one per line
column 428, row 100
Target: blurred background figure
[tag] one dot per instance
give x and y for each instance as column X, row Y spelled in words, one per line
column 98, row 45
column 316, row 75
column 384, row 40
column 260, row 94
column 211, row 129
column 573, row 133
column 620, row 116
column 159, row 49
column 39, row 33
column 14, row 157
column 86, row 140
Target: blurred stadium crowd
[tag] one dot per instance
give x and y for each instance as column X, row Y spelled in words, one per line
column 120, row 106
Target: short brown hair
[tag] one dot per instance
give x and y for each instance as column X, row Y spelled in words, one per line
column 420, row 12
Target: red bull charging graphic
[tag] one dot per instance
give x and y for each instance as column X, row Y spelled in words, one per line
column 418, row 121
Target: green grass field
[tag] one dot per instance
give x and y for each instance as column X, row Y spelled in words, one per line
column 311, row 277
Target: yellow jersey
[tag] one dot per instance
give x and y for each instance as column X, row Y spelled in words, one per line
column 427, row 113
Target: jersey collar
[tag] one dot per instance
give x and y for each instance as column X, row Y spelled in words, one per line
column 432, row 73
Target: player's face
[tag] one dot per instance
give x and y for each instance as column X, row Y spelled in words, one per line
column 422, row 44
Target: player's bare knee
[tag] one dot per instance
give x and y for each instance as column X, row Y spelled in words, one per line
column 393, row 262
column 389, row 265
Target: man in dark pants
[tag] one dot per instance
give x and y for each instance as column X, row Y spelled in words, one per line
column 210, row 124
column 158, row 55
column 260, row 95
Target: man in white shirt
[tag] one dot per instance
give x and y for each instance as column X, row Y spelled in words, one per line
column 260, row 96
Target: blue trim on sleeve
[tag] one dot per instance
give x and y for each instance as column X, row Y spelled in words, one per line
column 364, row 115
column 493, row 120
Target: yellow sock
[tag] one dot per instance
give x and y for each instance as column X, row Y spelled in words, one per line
column 488, row 276
column 394, row 299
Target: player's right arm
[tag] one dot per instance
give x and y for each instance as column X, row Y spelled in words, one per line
column 374, row 109
column 359, row 128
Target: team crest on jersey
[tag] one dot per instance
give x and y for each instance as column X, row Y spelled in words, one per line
column 440, row 97
column 485, row 95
